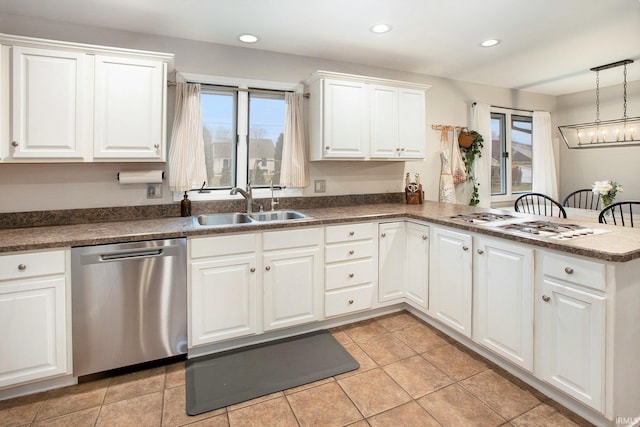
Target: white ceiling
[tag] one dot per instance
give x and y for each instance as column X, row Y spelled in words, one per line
column 548, row 46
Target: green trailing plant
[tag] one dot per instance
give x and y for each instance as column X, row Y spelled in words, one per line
column 469, row 155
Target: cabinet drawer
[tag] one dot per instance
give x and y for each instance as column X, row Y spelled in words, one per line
column 349, row 251
column 348, row 300
column 578, row 271
column 349, row 274
column 222, row 245
column 349, row 232
column 22, row 265
column 291, row 238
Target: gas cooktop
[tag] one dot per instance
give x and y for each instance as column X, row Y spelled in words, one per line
column 553, row 230
column 482, row 217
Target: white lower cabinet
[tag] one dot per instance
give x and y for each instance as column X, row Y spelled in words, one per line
column 34, row 322
column 222, row 288
column 503, row 300
column 450, row 279
column 417, row 255
column 392, row 261
column 571, row 329
column 292, row 277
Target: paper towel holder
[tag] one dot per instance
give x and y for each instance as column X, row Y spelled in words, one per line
column 161, row 175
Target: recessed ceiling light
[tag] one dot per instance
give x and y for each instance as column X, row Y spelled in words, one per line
column 380, row 28
column 247, row 38
column 489, row 42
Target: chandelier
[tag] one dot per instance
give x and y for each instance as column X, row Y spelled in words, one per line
column 604, row 133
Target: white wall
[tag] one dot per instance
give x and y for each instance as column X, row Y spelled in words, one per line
column 44, row 187
column 581, row 167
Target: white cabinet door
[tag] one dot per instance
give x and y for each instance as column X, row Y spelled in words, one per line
column 570, row 341
column 129, row 109
column 222, row 298
column 51, row 105
column 503, row 303
column 292, row 287
column 412, row 122
column 346, row 119
column 383, row 103
column 391, row 261
column 33, row 329
column 417, row 263
column 450, row 284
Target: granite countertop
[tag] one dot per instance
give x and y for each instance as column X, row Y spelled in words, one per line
column 621, row 244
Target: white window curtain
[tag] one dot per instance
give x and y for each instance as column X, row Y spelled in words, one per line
column 187, row 169
column 293, row 169
column 544, row 166
column 481, row 123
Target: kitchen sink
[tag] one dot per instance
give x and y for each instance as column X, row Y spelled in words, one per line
column 235, row 218
column 224, row 219
column 277, row 215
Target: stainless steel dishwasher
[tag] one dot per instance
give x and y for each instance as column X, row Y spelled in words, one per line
column 129, row 303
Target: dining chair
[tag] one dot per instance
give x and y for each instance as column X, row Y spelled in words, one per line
column 539, row 204
column 620, row 213
column 583, row 199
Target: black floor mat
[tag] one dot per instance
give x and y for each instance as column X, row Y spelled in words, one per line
column 223, row 379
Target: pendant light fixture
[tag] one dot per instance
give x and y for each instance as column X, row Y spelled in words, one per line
column 607, row 133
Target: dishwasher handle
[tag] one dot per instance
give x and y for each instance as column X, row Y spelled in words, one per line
column 129, row 254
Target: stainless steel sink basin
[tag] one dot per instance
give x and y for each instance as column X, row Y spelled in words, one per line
column 235, row 218
column 277, row 215
column 224, row 219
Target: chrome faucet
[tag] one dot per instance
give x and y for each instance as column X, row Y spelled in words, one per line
column 246, row 194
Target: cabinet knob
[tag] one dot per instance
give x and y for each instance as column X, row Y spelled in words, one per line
column 568, row 270
column 22, row 267
column 424, row 237
column 267, row 268
column 397, row 149
column 156, row 146
column 351, row 252
column 327, row 148
column 480, row 251
column 350, row 275
column 252, row 269
column 465, row 248
column 350, row 301
column 14, row 143
column 546, row 298
column 351, row 233
column 402, row 149
column 383, row 235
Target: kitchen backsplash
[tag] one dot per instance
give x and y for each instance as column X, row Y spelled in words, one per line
column 127, row 213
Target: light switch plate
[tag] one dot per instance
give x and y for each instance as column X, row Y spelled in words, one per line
column 154, row 191
column 319, row 186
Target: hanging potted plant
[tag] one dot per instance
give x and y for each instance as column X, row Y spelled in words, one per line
column 471, row 144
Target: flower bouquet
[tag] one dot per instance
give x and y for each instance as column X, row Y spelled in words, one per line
column 607, row 191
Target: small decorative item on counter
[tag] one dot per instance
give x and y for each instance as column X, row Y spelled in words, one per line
column 607, row 191
column 413, row 190
column 185, row 205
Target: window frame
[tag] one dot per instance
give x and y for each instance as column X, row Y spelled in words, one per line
column 508, row 113
column 242, row 128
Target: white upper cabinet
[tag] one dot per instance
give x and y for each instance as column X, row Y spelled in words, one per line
column 49, row 104
column 129, row 109
column 66, row 102
column 365, row 118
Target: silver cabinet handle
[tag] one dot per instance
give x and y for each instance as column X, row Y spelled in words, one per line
column 351, row 252
column 156, row 146
column 252, row 269
column 480, row 251
column 267, row 268
column 424, row 237
column 465, row 248
column 350, row 275
column 568, row 270
column 351, row 233
column 402, row 149
column 350, row 301
column 22, row 267
column 327, row 147
column 546, row 298
column 14, row 143
column 383, row 235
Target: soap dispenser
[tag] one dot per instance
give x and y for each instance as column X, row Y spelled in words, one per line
column 185, row 205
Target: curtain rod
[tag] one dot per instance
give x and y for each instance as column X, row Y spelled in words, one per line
column 506, row 108
column 239, row 89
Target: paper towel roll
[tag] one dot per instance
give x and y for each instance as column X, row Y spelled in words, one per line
column 141, row 177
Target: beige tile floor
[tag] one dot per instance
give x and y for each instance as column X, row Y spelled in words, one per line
column 410, row 375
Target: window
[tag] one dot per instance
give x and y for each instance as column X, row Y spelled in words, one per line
column 243, row 133
column 511, row 154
